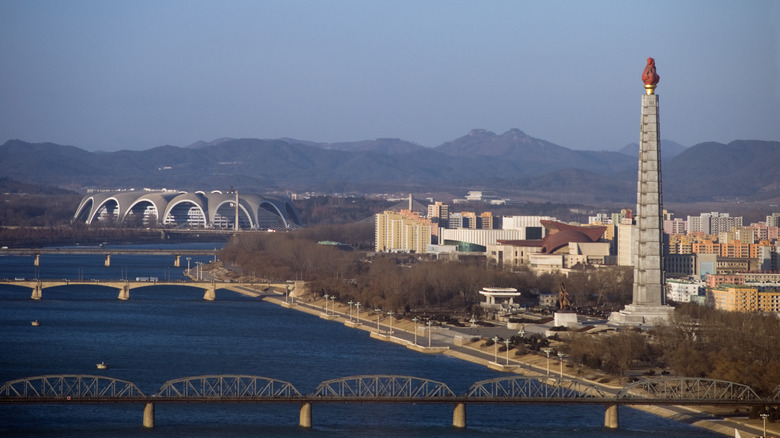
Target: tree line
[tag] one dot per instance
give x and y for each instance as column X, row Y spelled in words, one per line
column 697, row 342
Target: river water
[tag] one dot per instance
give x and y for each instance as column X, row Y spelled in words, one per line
column 165, row 333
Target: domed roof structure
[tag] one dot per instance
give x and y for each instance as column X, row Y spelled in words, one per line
column 188, row 210
column 561, row 234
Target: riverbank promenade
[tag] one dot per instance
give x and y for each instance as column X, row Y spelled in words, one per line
column 462, row 343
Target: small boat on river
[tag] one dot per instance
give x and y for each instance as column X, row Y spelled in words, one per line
column 35, row 323
column 102, row 366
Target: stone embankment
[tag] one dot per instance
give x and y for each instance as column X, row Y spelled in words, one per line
column 452, row 341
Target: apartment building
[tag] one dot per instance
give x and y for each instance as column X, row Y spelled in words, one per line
column 735, row 298
column 403, row 231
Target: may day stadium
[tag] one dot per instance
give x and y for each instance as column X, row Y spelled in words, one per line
column 175, row 209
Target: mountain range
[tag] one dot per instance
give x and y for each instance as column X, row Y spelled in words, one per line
column 513, row 164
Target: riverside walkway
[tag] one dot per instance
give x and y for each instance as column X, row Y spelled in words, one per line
column 91, row 389
column 440, row 340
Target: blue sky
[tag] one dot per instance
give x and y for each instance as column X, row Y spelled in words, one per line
column 117, row 74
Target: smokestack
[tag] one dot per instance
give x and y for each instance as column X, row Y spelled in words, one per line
column 410, row 202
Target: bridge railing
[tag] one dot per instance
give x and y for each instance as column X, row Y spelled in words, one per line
column 383, row 386
column 70, row 386
column 684, row 388
column 228, row 386
column 537, row 387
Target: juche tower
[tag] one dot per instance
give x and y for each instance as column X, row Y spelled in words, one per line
column 649, row 300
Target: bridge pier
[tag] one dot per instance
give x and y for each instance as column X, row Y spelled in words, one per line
column 37, row 261
column 37, row 292
column 305, row 417
column 107, row 263
column 149, row 415
column 124, row 293
column 211, row 293
column 611, row 420
column 459, row 416
column 177, row 261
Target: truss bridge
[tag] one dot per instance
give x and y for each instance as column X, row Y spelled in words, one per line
column 69, row 388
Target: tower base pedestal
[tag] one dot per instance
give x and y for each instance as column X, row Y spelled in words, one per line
column 641, row 315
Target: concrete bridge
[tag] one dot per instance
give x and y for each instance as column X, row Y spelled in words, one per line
column 381, row 389
column 107, row 253
column 124, row 286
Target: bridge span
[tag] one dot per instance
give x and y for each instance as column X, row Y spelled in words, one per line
column 381, row 389
column 108, row 252
column 125, row 286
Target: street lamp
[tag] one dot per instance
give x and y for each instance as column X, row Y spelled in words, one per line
column 333, row 300
column 430, row 323
column 764, row 416
column 548, row 351
column 378, row 315
column 350, row 309
column 495, row 344
column 288, row 288
column 390, row 314
column 326, row 303
column 507, row 342
column 188, row 265
column 358, row 311
column 415, row 319
column 560, row 357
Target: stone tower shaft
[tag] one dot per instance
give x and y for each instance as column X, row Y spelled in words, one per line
column 648, row 237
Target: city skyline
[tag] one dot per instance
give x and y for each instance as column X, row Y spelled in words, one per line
column 111, row 76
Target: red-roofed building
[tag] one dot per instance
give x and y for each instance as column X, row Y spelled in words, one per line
column 562, row 247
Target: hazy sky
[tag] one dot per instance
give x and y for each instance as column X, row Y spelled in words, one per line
column 119, row 74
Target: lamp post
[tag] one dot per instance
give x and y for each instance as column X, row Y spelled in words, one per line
column 350, row 302
column 188, row 265
column 560, row 357
column 415, row 319
column 764, row 416
column 358, row 311
column 378, row 316
column 430, row 323
column 289, row 288
column 548, row 351
column 326, row 303
column 390, row 314
column 495, row 344
column 333, row 300
column 507, row 342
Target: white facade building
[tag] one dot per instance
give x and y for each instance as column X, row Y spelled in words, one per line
column 681, row 291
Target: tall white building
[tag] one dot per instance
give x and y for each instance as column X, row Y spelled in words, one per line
column 402, row 232
column 625, row 235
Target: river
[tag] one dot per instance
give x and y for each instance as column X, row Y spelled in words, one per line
column 165, row 333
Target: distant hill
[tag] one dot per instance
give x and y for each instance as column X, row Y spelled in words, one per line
column 530, row 155
column 513, row 164
column 669, row 149
column 744, row 169
column 11, row 187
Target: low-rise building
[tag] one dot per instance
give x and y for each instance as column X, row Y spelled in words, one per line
column 681, row 291
column 744, row 298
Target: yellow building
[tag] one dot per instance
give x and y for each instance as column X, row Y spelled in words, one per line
column 744, row 299
column 403, row 231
